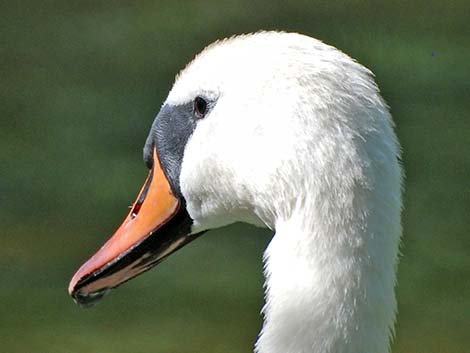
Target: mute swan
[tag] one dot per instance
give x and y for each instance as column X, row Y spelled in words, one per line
column 281, row 131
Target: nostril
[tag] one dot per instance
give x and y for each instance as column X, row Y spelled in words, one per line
column 136, row 209
column 138, row 204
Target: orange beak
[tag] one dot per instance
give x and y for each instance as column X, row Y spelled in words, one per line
column 156, row 226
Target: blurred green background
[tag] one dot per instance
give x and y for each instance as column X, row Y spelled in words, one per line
column 80, row 84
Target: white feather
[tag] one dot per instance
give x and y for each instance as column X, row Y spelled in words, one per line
column 300, row 141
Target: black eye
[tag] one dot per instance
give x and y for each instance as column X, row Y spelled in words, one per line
column 200, row 107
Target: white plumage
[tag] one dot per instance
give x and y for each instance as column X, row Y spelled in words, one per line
column 300, row 141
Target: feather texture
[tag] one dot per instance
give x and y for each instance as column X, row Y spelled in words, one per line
column 300, row 141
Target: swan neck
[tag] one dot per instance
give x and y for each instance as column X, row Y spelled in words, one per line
column 328, row 290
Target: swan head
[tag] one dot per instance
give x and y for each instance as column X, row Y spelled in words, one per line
column 261, row 128
column 283, row 113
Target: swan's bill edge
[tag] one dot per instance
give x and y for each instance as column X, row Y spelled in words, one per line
column 157, row 225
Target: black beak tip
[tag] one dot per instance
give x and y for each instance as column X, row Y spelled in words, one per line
column 87, row 300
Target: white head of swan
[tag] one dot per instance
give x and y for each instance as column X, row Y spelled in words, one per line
column 281, row 131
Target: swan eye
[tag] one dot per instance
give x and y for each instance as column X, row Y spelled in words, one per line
column 200, row 107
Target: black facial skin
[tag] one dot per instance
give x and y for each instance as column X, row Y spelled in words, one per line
column 170, row 133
